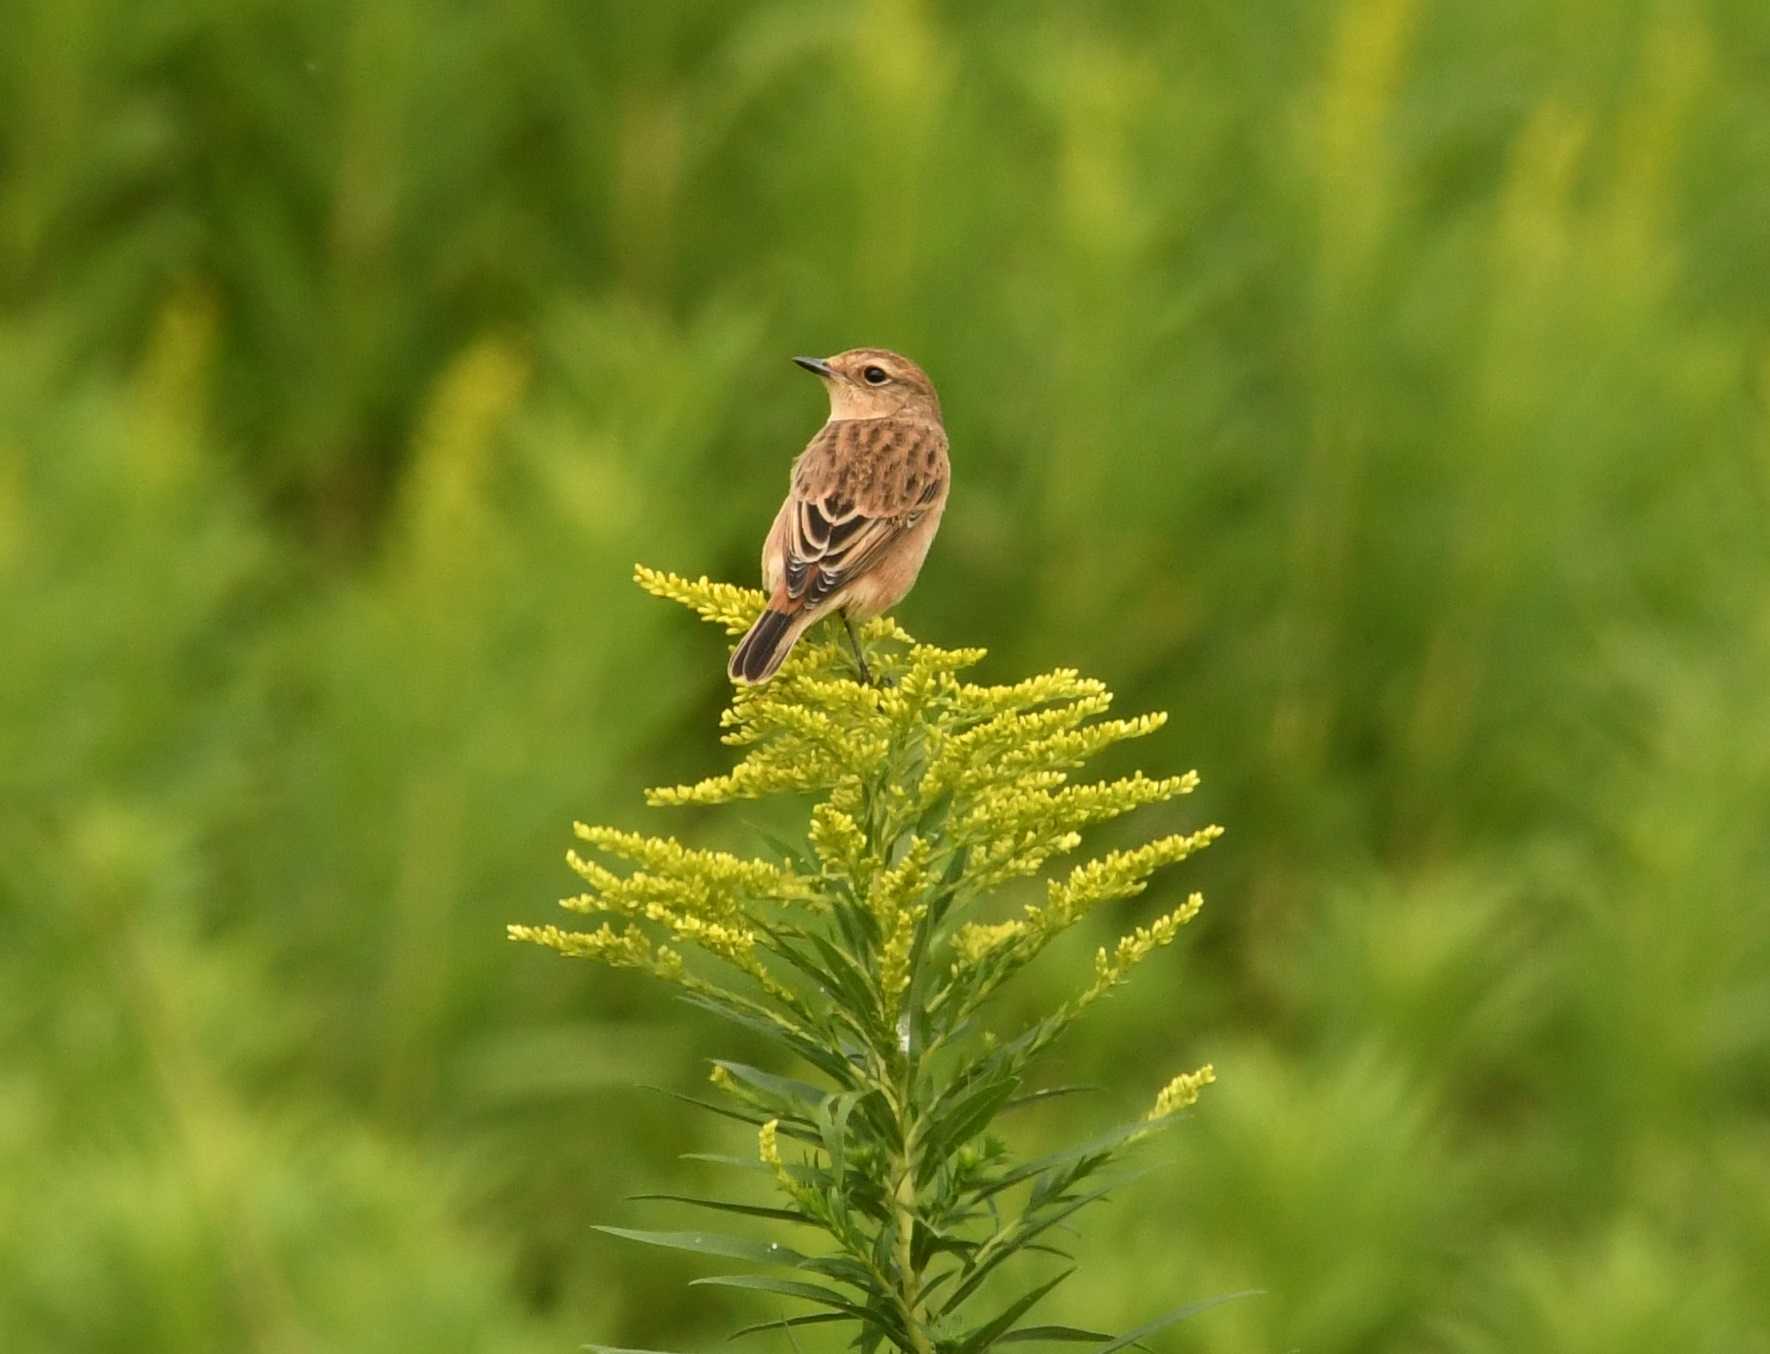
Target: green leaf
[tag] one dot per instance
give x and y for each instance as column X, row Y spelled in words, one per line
column 869, row 1338
column 937, row 1282
column 941, row 1241
column 961, row 1121
column 793, row 1288
column 987, row 1334
column 830, row 1063
column 861, row 1195
column 832, row 1122
column 1102, row 1145
column 787, row 1090
column 791, row 853
column 618, row 1349
column 859, row 928
column 711, row 1243
column 837, row 972
column 726, row 1159
column 846, row 974
column 1005, row 1244
column 1178, row 1314
column 749, row 1210
column 790, row 1127
column 842, row 1269
column 811, row 1319
column 1049, row 1093
column 1064, row 1334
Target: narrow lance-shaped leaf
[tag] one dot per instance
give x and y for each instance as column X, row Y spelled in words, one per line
column 1178, row 1314
column 962, row 1120
column 988, row 1333
column 808, row 1292
column 1053, row 1334
column 724, row 1206
column 800, row 1130
column 1016, row 1237
column 710, row 1243
column 788, row 1322
column 787, row 1091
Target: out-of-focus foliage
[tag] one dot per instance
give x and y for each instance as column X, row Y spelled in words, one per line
column 1382, row 386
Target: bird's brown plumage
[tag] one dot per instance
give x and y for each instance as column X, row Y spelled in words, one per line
column 864, row 502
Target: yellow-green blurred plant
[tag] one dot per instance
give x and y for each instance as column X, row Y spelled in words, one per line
column 859, row 951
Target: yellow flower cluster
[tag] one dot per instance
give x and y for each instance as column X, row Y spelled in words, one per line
column 974, row 940
column 840, row 844
column 1111, row 969
column 1181, row 1092
column 722, row 603
column 935, row 791
column 720, row 870
column 768, row 1145
column 973, row 757
column 768, row 1148
column 898, row 900
column 703, row 898
column 629, row 948
column 1116, row 875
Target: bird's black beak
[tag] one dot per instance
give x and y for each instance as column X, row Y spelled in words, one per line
column 816, row 366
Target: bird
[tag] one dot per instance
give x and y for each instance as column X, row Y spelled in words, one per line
column 864, row 500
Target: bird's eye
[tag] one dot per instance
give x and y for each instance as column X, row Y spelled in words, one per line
column 875, row 376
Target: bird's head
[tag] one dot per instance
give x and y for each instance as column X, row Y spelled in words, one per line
column 874, row 383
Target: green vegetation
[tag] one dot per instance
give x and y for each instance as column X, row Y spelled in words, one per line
column 1381, row 387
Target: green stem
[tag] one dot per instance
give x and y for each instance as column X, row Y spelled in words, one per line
column 884, row 829
column 904, row 1208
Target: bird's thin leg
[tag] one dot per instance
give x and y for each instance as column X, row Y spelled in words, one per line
column 860, row 656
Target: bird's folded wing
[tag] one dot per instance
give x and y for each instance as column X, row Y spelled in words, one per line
column 831, row 542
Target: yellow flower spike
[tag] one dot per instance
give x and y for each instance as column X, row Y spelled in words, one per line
column 596, row 875
column 720, row 1077
column 974, row 940
column 1072, row 747
column 849, row 701
column 893, row 888
column 751, row 780
column 1119, row 874
column 630, row 948
column 1132, row 949
column 1181, row 1093
column 894, row 958
column 768, row 1145
column 768, row 1148
column 837, row 839
column 1040, row 797
column 666, row 857
column 885, row 629
column 848, row 796
column 722, row 603
column 1016, row 857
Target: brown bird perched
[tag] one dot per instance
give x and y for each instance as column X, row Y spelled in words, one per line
column 864, row 502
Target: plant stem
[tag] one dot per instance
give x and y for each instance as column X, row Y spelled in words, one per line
column 904, row 1206
column 884, row 829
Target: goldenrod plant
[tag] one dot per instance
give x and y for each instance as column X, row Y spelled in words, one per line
column 861, row 952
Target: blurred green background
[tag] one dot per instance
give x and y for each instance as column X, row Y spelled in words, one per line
column 1382, row 386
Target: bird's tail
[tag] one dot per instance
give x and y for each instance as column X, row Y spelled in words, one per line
column 766, row 645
